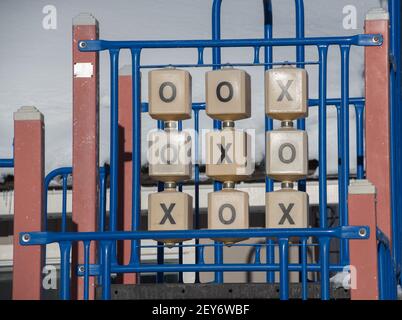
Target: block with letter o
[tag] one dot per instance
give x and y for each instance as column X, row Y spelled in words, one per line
column 169, row 94
column 228, row 209
column 287, row 154
column 169, row 155
column 228, row 94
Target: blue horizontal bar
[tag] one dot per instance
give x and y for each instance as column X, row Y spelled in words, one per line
column 94, row 269
column 311, row 102
column 6, row 163
column 209, row 65
column 345, row 232
column 358, row 40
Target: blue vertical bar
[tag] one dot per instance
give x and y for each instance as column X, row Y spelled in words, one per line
column 102, row 210
column 269, row 124
column 322, row 132
column 304, row 268
column 216, row 60
column 344, row 110
column 284, row 271
column 300, row 59
column 114, row 142
column 197, row 187
column 65, row 249
column 359, row 109
column 87, row 245
column 324, row 264
column 64, row 205
column 160, row 249
column 394, row 7
column 102, row 198
column 106, row 248
column 136, row 163
column 180, row 187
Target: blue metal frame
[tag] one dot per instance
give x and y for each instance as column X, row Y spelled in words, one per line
column 107, row 240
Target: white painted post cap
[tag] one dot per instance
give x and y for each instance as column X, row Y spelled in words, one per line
column 377, row 14
column 28, row 113
column 85, row 19
column 361, row 187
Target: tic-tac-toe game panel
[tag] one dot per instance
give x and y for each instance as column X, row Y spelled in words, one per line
column 204, row 218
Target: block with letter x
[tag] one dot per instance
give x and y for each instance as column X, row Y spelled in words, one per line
column 169, row 94
column 286, row 208
column 287, row 154
column 286, row 93
column 228, row 94
column 228, row 155
column 228, row 209
column 170, row 210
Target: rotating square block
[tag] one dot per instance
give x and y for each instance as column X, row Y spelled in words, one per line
column 228, row 155
column 228, row 209
column 169, row 155
column 170, row 210
column 286, row 91
column 228, row 94
column 286, row 208
column 169, row 92
column 286, row 154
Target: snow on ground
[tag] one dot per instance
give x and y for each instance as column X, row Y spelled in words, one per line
column 36, row 67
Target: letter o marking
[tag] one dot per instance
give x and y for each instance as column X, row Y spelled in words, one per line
column 219, row 89
column 292, row 156
column 162, row 95
column 233, row 211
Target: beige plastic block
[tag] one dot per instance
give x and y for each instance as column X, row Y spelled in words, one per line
column 228, row 94
column 228, row 209
column 286, row 93
column 169, row 93
column 286, row 208
column 170, row 210
column 228, row 155
column 287, row 154
column 169, row 155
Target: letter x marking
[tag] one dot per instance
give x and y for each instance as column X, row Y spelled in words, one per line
column 224, row 153
column 167, row 212
column 285, row 91
column 286, row 213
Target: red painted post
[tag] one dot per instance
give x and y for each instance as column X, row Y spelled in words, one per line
column 29, row 159
column 125, row 167
column 363, row 253
column 378, row 117
column 85, row 137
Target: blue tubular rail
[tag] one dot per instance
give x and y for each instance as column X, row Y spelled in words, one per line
column 216, row 60
column 395, row 11
column 107, row 262
column 386, row 269
column 6, row 163
column 107, row 239
column 64, row 172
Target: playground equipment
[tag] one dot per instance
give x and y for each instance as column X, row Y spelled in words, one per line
column 369, row 210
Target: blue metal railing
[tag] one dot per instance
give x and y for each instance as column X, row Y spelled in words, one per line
column 387, row 280
column 275, row 238
column 107, row 239
column 64, row 173
column 6, row 163
column 395, row 11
